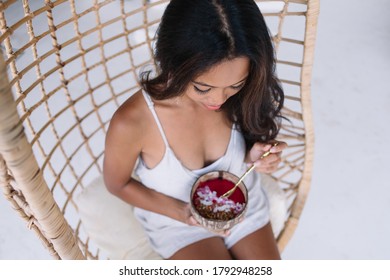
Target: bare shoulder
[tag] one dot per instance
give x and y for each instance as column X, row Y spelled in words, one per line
column 129, row 119
column 124, row 142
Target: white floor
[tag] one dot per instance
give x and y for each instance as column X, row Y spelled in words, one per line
column 347, row 215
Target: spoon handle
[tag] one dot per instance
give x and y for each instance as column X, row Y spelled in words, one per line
column 229, row 192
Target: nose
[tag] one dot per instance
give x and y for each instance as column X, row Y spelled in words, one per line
column 219, row 97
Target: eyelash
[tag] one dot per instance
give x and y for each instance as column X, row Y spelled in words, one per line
column 240, row 86
column 207, row 90
column 201, row 91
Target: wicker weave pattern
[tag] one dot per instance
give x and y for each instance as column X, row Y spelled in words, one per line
column 66, row 65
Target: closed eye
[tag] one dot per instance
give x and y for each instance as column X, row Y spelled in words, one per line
column 201, row 91
column 238, row 86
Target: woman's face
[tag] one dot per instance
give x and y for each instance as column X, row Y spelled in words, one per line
column 212, row 88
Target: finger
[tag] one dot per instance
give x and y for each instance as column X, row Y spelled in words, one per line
column 279, row 147
column 271, row 168
column 224, row 233
column 275, row 148
column 258, row 146
column 257, row 150
column 192, row 221
column 264, row 150
column 271, row 159
column 268, row 168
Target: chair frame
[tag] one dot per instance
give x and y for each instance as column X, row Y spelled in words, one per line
column 22, row 179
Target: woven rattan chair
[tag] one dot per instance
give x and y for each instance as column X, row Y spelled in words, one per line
column 66, row 65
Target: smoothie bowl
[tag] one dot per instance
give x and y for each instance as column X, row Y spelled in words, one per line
column 210, row 209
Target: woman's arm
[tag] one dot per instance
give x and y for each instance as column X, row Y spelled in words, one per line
column 124, row 143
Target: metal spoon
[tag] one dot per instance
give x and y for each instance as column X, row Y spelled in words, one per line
column 231, row 191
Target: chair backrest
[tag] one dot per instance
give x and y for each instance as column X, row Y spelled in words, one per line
column 65, row 67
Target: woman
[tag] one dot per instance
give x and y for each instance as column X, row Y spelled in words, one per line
column 214, row 104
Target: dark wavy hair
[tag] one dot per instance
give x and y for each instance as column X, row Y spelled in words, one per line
column 193, row 36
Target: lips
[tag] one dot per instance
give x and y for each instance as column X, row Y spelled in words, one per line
column 213, row 107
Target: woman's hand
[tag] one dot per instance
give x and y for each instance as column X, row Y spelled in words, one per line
column 190, row 220
column 269, row 163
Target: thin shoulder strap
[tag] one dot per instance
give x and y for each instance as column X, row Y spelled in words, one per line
column 151, row 108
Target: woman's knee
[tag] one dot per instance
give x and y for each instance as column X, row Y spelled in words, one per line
column 206, row 249
column 260, row 244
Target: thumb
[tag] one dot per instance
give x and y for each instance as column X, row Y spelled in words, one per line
column 257, row 150
column 192, row 221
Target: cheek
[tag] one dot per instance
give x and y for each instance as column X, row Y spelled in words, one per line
column 195, row 96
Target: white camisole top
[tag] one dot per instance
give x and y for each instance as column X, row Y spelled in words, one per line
column 172, row 178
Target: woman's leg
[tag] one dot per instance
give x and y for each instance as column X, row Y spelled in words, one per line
column 207, row 249
column 259, row 245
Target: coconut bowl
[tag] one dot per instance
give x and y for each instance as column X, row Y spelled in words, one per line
column 228, row 180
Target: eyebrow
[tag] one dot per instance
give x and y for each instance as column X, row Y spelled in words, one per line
column 206, row 85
